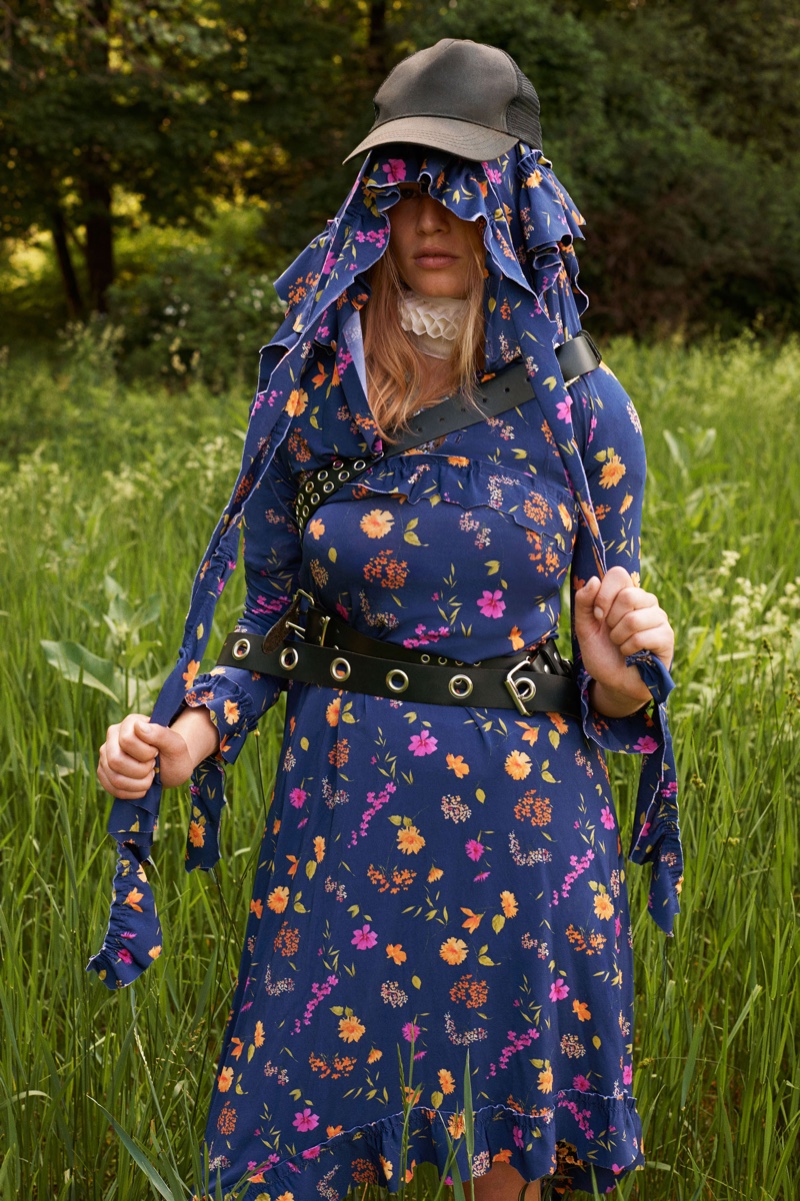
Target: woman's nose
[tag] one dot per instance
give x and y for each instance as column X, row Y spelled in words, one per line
column 432, row 217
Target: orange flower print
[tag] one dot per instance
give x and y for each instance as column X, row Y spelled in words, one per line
column 332, row 712
column 332, row 1131
column 258, row 1036
column 518, row 765
column 410, row 841
column 293, row 864
column 509, row 903
column 453, row 951
column 626, row 503
column 225, row 1079
column 503, row 1156
column 377, row 523
column 455, row 1124
column 435, row 874
column 278, row 899
column 231, row 711
column 591, row 520
column 473, row 920
column 339, row 754
column 373, row 1057
column 256, row 907
column 319, row 848
column 388, row 1170
column 396, row 952
column 298, row 399
column 351, row 1029
column 191, row 672
column 455, row 763
column 197, row 834
column 603, row 907
column 517, row 641
column 316, row 528
column 613, row 471
column 447, row 1081
column 531, row 732
column 546, row 1079
column 582, row 1010
column 566, row 517
column 237, row 1048
column 286, row 1197
column 558, row 722
column 133, row 898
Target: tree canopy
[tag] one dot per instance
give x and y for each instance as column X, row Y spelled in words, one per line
column 674, row 123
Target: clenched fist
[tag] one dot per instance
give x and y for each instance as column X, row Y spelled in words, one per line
column 614, row 618
column 128, row 756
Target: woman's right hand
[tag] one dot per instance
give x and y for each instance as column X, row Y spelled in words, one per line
column 128, row 757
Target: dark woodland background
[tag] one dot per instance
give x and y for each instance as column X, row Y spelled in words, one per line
column 160, row 163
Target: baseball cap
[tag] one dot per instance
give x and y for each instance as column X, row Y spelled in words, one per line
column 460, row 96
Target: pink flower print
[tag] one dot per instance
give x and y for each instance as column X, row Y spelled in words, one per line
column 646, row 745
column 474, row 849
column 306, row 1120
column 627, row 1074
column 581, row 1084
column 563, row 407
column 313, row 1152
column 518, row 1138
column 327, row 266
column 607, row 818
column 124, row 954
column 364, row 938
column 423, row 744
column 297, row 797
column 481, row 876
column 410, row 1032
column 491, row 604
column 395, row 170
column 617, row 925
column 558, row 990
column 492, row 174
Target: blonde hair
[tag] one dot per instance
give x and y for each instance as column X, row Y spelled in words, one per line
column 395, row 367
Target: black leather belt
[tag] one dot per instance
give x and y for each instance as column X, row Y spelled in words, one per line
column 530, row 683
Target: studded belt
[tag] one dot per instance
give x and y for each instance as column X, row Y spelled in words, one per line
column 324, row 650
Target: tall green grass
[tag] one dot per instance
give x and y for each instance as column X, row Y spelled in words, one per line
column 108, row 493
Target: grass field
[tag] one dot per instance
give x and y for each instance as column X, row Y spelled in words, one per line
column 109, row 493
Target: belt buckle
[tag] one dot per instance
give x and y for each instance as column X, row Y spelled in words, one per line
column 292, row 625
column 528, row 691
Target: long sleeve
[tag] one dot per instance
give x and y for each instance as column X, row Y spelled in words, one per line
column 608, row 428
column 235, row 698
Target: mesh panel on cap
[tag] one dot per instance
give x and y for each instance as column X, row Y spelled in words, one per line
column 522, row 114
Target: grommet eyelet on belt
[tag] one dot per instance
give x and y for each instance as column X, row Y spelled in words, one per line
column 425, row 658
column 340, row 669
column 241, row 648
column 441, row 659
column 288, row 658
column 315, row 498
column 322, row 475
column 396, row 680
column 344, row 476
column 309, row 485
column 329, row 486
column 359, row 465
column 460, row 687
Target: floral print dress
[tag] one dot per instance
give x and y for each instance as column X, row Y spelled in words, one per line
column 448, row 881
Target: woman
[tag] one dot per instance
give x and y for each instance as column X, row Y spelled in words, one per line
column 444, row 877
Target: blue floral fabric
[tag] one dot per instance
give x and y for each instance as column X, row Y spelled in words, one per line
column 441, row 879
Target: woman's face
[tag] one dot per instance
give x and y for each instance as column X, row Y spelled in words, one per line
column 434, row 250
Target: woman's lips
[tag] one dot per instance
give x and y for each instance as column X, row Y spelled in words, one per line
column 433, row 259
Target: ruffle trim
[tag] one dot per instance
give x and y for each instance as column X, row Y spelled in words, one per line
column 472, row 483
column 574, row 1137
column 655, row 837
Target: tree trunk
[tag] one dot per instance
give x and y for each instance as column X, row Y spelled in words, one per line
column 97, row 177
column 376, row 41
column 72, row 292
column 99, row 238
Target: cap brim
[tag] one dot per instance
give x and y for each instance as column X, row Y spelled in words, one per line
column 473, row 142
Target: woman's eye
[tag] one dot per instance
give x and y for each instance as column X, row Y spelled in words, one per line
column 409, row 193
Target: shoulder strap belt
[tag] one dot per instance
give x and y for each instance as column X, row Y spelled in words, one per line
column 506, row 390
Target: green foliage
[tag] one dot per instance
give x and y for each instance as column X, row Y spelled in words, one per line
column 109, row 497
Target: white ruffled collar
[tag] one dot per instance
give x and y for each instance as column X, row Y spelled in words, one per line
column 435, row 321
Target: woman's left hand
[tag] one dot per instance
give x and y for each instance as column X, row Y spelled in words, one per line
column 613, row 619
